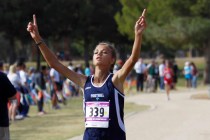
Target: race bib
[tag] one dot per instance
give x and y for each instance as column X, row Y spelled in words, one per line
column 97, row 114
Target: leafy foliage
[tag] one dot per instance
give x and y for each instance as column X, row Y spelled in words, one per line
column 172, row 24
column 87, row 21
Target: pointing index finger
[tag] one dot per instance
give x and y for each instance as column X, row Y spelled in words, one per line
column 34, row 19
column 144, row 13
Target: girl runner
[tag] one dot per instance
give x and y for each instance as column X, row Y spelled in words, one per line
column 168, row 78
column 103, row 91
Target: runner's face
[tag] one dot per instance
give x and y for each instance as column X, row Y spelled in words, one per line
column 102, row 55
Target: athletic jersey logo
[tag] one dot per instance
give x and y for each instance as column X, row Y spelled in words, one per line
column 97, row 96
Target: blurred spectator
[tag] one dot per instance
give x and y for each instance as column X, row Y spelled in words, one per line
column 118, row 65
column 55, row 77
column 25, row 104
column 71, row 67
column 31, row 84
column 168, row 78
column 194, row 72
column 13, row 77
column 151, row 73
column 161, row 74
column 40, row 85
column 70, row 87
column 187, row 74
column 87, row 70
column 175, row 74
column 31, row 77
column 78, row 69
column 15, row 80
column 156, row 76
column 8, row 92
column 140, row 69
column 76, row 87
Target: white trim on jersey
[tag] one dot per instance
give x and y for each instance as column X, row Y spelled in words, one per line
column 120, row 122
column 121, row 94
column 101, row 84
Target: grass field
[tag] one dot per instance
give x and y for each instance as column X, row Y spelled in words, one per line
column 69, row 121
column 64, row 123
column 57, row 124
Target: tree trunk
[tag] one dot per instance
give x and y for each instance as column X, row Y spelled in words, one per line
column 122, row 52
column 11, row 51
column 38, row 59
column 190, row 55
column 86, row 50
column 66, row 48
column 207, row 61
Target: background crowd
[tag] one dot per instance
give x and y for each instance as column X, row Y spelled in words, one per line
column 48, row 86
column 150, row 76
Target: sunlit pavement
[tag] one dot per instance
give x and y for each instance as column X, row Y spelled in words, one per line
column 181, row 118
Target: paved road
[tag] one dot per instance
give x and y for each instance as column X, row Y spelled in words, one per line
column 181, row 118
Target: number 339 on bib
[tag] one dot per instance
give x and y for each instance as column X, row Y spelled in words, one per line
column 97, row 114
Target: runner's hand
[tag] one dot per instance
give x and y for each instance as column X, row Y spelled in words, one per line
column 32, row 28
column 140, row 24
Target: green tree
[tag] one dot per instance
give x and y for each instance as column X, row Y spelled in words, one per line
column 127, row 17
column 187, row 25
column 172, row 24
column 14, row 17
column 86, row 21
column 96, row 23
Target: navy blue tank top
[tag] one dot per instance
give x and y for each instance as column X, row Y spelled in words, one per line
column 108, row 93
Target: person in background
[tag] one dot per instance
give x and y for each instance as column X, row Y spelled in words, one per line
column 31, row 84
column 31, row 77
column 87, row 70
column 161, row 75
column 187, row 74
column 156, row 76
column 194, row 72
column 175, row 76
column 15, row 80
column 140, row 69
column 40, row 86
column 118, row 65
column 25, row 104
column 79, row 69
column 168, row 78
column 71, row 87
column 49, row 89
column 55, row 77
column 71, row 67
column 76, row 87
column 7, row 92
column 151, row 73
